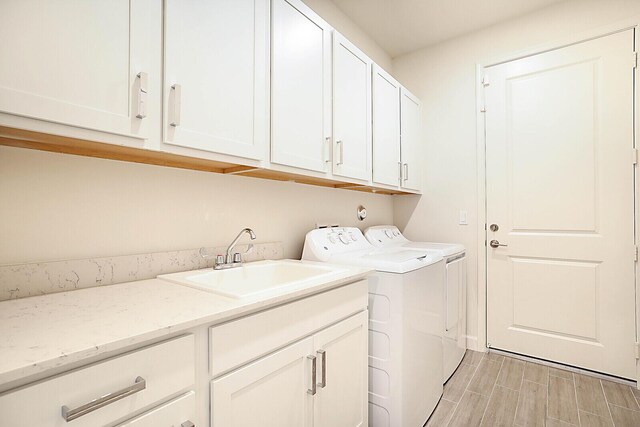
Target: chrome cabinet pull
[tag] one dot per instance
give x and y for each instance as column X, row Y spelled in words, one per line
column 327, row 149
column 406, row 171
column 187, row 424
column 341, row 145
column 175, row 99
column 72, row 414
column 313, row 389
column 323, row 364
column 141, row 103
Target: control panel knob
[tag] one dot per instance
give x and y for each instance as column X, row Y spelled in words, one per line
column 352, row 237
column 396, row 233
column 332, row 238
column 388, row 233
column 343, row 238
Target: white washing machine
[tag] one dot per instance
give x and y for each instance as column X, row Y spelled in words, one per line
column 454, row 333
column 405, row 319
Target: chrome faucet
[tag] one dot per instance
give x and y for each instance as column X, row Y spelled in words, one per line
column 232, row 259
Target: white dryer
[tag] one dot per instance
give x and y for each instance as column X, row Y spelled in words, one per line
column 454, row 333
column 405, row 319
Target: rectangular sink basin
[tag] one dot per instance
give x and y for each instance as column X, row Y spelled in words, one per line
column 253, row 278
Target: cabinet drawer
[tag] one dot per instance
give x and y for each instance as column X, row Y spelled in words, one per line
column 163, row 369
column 176, row 413
column 240, row 341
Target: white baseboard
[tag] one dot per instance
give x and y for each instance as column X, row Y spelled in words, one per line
column 472, row 344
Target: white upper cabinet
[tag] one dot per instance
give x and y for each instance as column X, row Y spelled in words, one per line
column 386, row 128
column 216, row 76
column 410, row 131
column 351, row 110
column 81, row 63
column 300, row 87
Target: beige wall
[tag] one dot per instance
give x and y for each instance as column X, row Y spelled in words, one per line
column 341, row 22
column 443, row 77
column 57, row 206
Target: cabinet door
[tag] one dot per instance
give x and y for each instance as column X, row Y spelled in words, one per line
column 386, row 128
column 272, row 391
column 351, row 110
column 341, row 352
column 175, row 413
column 411, row 152
column 76, row 62
column 216, row 75
column 300, row 87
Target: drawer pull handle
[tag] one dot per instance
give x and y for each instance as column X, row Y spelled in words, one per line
column 312, row 390
column 175, row 101
column 187, row 424
column 323, row 364
column 72, row 414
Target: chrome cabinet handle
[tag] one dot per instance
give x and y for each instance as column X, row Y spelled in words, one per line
column 323, row 365
column 341, row 144
column 327, row 149
column 496, row 244
column 141, row 102
column 406, row 171
column 176, row 91
column 313, row 389
column 187, row 424
column 72, row 414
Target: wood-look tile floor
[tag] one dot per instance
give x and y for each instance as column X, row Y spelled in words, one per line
column 493, row 390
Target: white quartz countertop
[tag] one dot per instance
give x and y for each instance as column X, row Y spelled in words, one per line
column 50, row 331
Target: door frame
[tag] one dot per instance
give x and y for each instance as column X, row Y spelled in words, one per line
column 482, row 274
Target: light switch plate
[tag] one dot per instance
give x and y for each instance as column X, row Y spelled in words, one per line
column 463, row 218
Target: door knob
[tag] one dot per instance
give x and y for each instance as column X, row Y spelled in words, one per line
column 494, row 227
column 495, row 244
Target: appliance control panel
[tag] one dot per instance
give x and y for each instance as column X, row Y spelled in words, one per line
column 320, row 244
column 384, row 234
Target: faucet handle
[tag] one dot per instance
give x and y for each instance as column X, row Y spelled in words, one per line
column 219, row 259
column 237, row 258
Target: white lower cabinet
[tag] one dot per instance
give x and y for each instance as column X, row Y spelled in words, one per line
column 271, row 391
column 320, row 380
column 105, row 392
column 341, row 355
column 180, row 412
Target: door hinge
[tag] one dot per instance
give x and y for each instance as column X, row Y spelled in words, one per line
column 634, row 59
column 485, row 81
column 637, row 348
column 634, row 156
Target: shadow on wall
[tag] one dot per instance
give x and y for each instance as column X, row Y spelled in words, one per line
column 402, row 216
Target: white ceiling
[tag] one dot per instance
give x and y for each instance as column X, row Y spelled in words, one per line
column 402, row 26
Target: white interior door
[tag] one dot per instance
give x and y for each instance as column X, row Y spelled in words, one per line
column 216, row 76
column 271, row 391
column 559, row 138
column 386, row 128
column 76, row 62
column 342, row 374
column 351, row 110
column 300, row 87
column 410, row 140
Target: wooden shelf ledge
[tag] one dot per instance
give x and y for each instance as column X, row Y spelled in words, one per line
column 61, row 144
